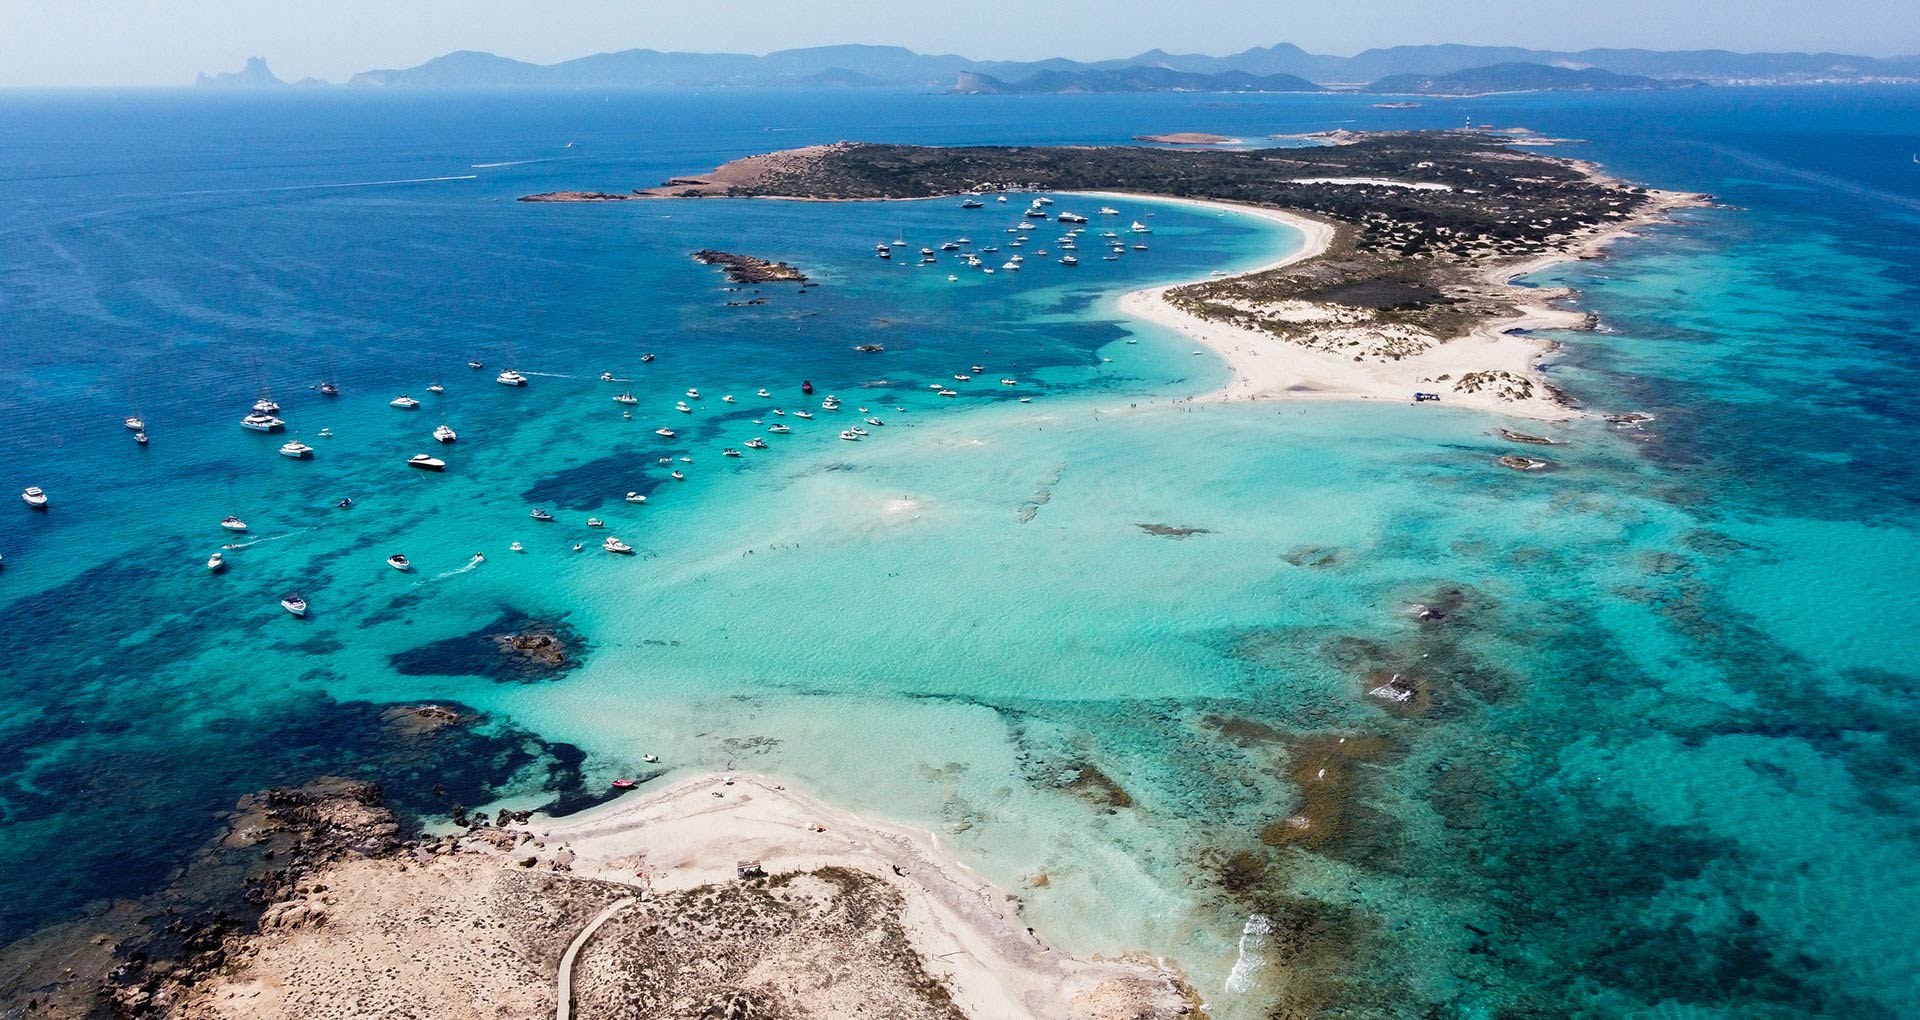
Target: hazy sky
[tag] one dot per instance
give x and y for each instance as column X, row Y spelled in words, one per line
column 164, row 42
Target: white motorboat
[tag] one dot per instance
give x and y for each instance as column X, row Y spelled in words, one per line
column 595, row 522
column 636, row 497
column 294, row 604
column 756, row 443
column 848, row 435
column 1139, row 247
column 667, row 433
column 728, row 399
column 261, row 422
column 803, row 414
column 403, row 402
column 1009, row 382
column 476, row 366
column 1140, row 228
column 729, row 452
column 606, row 377
column 1067, row 217
column 1107, row 210
column 517, row 547
column 140, row 437
column 399, row 561
column 135, row 425
column 693, row 394
column 34, row 497
column 426, row 463
column 683, row 408
column 858, row 431
column 679, row 476
column 1011, row 267
column 444, row 434
column 614, row 545
column 626, row 398
column 949, row 393
column 297, row 450
column 1069, row 260
column 539, row 515
column 875, row 422
column 963, row 378
column 233, row 524
column 217, row 562
column 265, row 406
column 763, row 393
column 780, row 429
column 510, row 378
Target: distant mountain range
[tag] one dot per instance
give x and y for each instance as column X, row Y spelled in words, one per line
column 1283, row 67
column 1475, row 81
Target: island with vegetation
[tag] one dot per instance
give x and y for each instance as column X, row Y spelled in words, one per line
column 1402, row 287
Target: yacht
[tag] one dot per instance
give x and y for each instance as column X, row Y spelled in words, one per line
column 1107, row 210
column 763, row 393
column 756, row 443
column 262, row 422
column 614, row 545
column 595, row 522
column 217, row 562
column 399, row 561
column 135, row 425
column 34, row 497
column 1069, row 260
column 973, row 203
column 626, row 398
column 803, row 414
column 403, row 402
column 1067, row 217
column 1140, row 228
column 729, row 452
column 265, row 406
column 426, row 463
column 636, row 497
column 683, row 408
column 294, row 604
column 297, row 450
column 140, row 437
column 233, row 524
column 436, row 388
column 779, row 430
column 443, row 434
column 539, row 515
column 665, row 433
column 848, row 435
column 875, row 421
column 510, row 378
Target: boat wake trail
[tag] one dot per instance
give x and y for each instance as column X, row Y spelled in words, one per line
column 260, row 541
column 548, row 375
column 323, row 187
column 472, row 564
column 513, row 162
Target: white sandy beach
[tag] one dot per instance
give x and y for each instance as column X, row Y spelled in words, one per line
column 1266, row 368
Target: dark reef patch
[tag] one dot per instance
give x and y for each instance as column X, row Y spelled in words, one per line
column 514, row 648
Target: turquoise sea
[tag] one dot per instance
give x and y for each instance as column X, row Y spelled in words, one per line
column 1663, row 756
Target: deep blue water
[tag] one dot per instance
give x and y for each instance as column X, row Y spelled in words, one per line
column 1683, row 781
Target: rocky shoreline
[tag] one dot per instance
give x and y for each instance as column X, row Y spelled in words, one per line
column 748, row 269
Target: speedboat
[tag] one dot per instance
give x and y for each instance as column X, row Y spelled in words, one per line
column 217, row 562
column 443, row 434
column 858, row 431
column 297, row 450
column 326, row 433
column 328, row 389
column 636, row 497
column 1009, row 382
column 1013, row 267
column 729, row 452
column 517, row 547
column 682, row 407
column 345, row 504
column 806, row 387
column 233, row 524
column 1140, row 228
column 510, row 378
column 977, row 369
column 135, row 425
column 679, row 476
column 436, row 388
column 475, row 365
column 779, row 412
column 260, row 421
column 1026, row 400
column 686, row 460
column 614, row 545
column 848, row 435
column 1067, row 217
column 763, row 393
column 963, row 378
column 398, row 561
column 626, row 398
column 1069, row 260
column 875, row 421
column 756, row 443
column 140, row 437
column 426, row 463
column 606, row 377
column 950, row 246
column 728, row 399
column 803, row 414
column 265, row 406
column 539, row 515
column 1139, row 247
column 644, row 358
column 693, row 394
column 949, row 393
column 1107, row 210
column 972, row 203
column 595, row 522
column 294, row 604
column 34, row 497
column 403, row 402
column 780, row 430
column 668, row 433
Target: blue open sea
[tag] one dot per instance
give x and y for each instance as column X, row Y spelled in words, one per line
column 1665, row 760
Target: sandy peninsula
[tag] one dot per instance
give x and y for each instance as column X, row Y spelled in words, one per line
column 641, row 908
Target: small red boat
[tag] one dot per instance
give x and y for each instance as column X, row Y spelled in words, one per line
column 806, row 386
column 623, row 784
